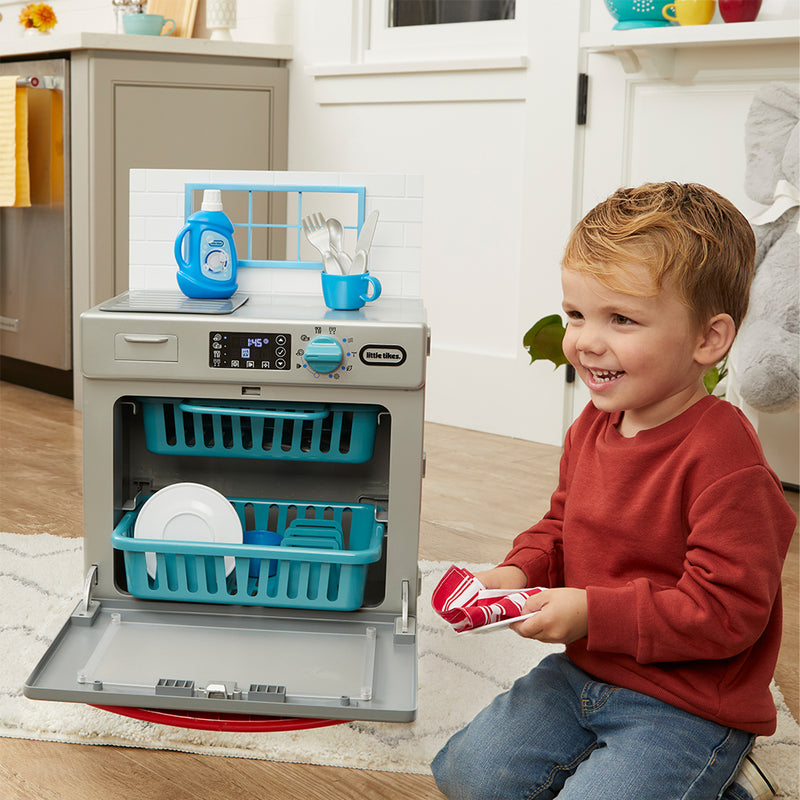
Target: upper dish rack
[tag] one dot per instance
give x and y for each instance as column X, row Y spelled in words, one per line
column 332, row 432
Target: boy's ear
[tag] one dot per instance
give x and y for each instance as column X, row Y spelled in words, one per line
column 716, row 338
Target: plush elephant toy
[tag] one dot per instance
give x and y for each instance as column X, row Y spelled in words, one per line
column 768, row 360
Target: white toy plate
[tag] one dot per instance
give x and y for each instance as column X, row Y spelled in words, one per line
column 188, row 512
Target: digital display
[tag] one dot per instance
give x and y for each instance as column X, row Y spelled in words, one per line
column 249, row 351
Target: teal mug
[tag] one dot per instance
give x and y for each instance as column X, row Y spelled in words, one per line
column 349, row 292
column 147, row 24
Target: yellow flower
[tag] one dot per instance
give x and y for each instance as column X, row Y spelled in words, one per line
column 38, row 15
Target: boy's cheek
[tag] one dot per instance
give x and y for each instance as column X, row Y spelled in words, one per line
column 568, row 346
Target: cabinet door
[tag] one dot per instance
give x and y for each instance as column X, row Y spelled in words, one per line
column 147, row 111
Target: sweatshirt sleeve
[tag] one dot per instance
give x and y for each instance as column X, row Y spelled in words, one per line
column 740, row 529
column 538, row 551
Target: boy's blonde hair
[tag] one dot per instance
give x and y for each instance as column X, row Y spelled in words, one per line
column 688, row 236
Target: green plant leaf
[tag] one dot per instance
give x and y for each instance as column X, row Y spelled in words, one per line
column 711, row 379
column 714, row 375
column 543, row 340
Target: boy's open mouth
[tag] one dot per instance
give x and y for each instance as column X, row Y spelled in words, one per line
column 605, row 375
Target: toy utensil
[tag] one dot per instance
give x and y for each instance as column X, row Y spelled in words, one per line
column 367, row 232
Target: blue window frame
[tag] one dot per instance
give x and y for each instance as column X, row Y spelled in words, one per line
column 255, row 221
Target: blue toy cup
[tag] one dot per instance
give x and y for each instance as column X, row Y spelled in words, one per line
column 349, row 292
column 262, row 538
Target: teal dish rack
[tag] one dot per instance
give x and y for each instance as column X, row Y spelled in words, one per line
column 332, row 432
column 305, row 577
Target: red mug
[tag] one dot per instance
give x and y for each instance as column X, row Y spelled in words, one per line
column 739, row 10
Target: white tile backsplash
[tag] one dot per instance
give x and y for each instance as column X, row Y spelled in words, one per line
column 157, row 216
column 166, row 205
column 390, row 234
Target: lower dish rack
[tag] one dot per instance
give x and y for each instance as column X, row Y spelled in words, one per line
column 297, row 576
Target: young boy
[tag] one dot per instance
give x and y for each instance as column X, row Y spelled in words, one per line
column 664, row 541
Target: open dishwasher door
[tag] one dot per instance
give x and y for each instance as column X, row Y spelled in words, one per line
column 234, row 661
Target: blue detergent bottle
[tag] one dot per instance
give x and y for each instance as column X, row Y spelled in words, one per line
column 210, row 269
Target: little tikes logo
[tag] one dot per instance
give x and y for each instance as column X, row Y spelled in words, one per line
column 382, row 355
column 217, row 243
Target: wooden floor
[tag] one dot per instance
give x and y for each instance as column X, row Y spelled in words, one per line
column 480, row 490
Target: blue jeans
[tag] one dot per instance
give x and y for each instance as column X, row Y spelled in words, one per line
column 559, row 733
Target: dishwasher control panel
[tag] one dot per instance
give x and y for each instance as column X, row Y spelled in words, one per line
column 312, row 353
column 249, row 350
column 385, row 346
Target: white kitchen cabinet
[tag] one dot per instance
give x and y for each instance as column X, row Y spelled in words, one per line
column 671, row 104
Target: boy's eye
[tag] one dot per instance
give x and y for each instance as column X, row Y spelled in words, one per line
column 620, row 319
column 574, row 315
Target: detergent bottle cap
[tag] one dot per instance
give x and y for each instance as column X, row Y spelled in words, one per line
column 212, row 200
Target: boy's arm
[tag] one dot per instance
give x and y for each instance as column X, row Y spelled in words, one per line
column 538, row 552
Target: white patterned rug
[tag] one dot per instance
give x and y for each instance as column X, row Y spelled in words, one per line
column 41, row 581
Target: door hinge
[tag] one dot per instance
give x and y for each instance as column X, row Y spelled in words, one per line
column 86, row 610
column 405, row 627
column 583, row 98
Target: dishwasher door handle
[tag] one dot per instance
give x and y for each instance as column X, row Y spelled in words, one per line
column 144, row 338
column 146, row 347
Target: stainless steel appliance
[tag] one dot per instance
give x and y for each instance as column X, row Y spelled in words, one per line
column 35, row 259
column 308, row 421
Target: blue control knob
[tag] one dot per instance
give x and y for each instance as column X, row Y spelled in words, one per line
column 323, row 354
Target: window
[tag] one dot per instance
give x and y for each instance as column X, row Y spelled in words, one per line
column 418, row 30
column 469, row 61
column 404, row 13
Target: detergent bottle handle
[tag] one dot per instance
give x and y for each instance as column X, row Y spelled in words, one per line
column 179, row 247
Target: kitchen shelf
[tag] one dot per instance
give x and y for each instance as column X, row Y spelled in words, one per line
column 653, row 49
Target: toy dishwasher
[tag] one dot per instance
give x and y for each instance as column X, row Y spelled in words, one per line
column 309, row 427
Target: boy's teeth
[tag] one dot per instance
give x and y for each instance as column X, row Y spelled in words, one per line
column 604, row 374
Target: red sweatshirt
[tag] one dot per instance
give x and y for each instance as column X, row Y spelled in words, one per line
column 678, row 536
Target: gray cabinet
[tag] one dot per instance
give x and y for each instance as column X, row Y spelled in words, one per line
column 189, row 105
column 143, row 110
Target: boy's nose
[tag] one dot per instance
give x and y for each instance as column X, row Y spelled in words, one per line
column 589, row 340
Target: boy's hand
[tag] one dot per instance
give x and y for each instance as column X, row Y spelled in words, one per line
column 563, row 616
column 503, row 578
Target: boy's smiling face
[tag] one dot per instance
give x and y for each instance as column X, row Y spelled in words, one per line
column 636, row 354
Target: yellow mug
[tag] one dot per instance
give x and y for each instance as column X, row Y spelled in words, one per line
column 690, row 12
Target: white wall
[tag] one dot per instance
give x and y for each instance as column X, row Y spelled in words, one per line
column 490, row 125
